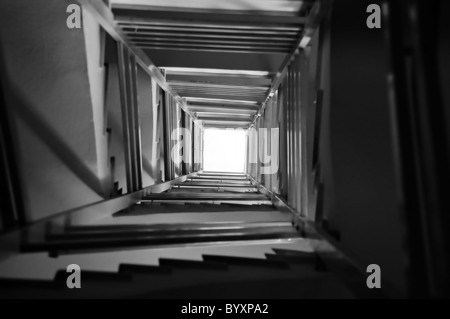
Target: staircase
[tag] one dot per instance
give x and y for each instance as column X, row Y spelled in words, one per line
column 207, row 209
column 282, row 274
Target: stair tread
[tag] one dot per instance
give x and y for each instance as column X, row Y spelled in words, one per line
column 169, row 227
column 114, row 231
column 61, row 275
column 224, row 236
column 145, row 209
column 143, row 269
column 197, row 217
column 292, row 259
column 207, row 195
column 245, row 261
column 291, row 252
column 208, row 183
column 191, row 264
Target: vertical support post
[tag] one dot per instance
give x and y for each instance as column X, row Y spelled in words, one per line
column 202, row 131
column 291, row 148
column 166, row 136
column 192, row 130
column 12, row 211
column 136, row 130
column 122, row 65
column 184, row 165
column 297, row 161
column 130, row 118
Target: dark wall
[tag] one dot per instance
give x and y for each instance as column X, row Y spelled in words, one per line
column 359, row 199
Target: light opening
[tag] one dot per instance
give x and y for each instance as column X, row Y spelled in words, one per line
column 224, row 150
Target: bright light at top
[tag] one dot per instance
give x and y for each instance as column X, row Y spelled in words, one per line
column 224, row 150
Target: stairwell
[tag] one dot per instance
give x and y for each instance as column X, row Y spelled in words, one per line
column 206, row 210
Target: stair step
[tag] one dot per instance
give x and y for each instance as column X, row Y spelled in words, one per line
column 240, row 216
column 221, row 181
column 177, row 238
column 209, row 183
column 291, row 252
column 212, row 189
column 168, row 228
column 292, row 259
column 162, row 230
column 222, row 174
column 166, row 208
column 244, row 261
column 61, row 276
column 143, row 269
column 191, row 264
column 225, row 177
column 209, row 201
column 206, row 195
column 13, row 283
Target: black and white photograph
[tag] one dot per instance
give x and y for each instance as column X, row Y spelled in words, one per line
column 221, row 157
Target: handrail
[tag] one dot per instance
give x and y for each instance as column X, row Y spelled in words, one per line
column 317, row 12
column 10, row 242
column 104, row 16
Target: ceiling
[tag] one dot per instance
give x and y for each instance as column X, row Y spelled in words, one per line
column 221, row 56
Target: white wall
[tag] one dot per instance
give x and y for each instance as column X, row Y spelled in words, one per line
column 57, row 114
column 96, row 74
column 148, row 116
